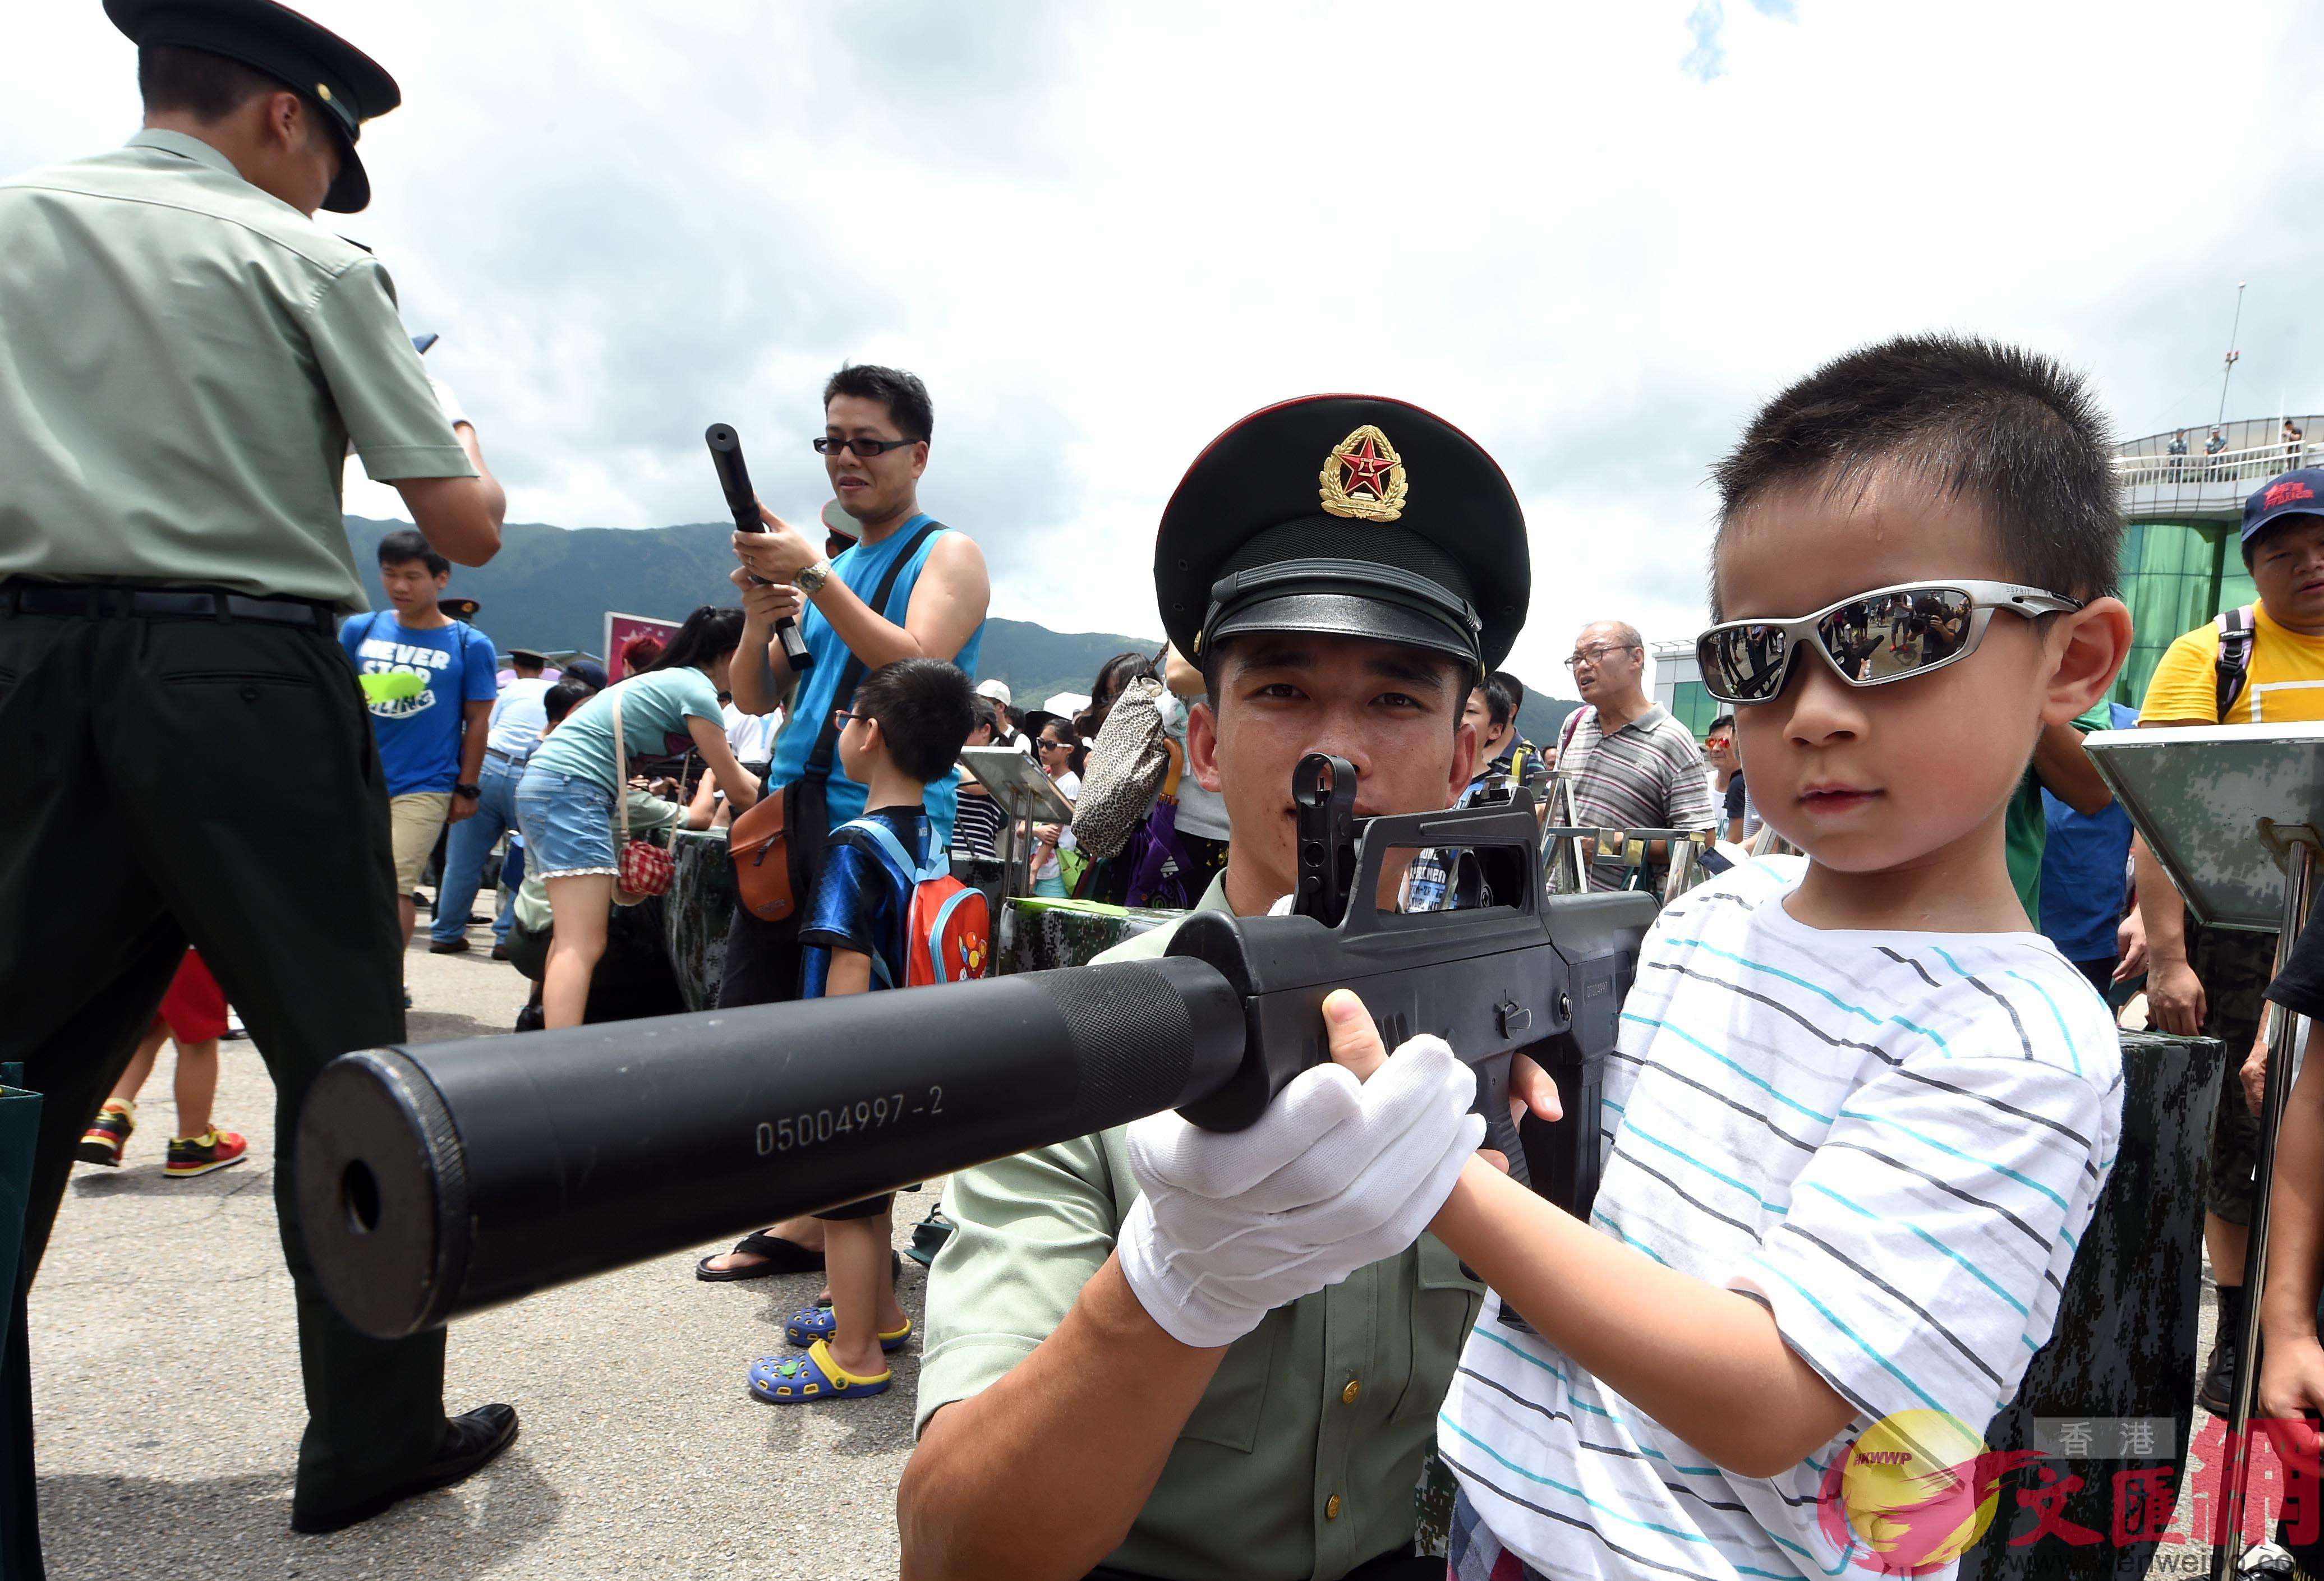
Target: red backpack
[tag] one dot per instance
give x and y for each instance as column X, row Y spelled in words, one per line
column 948, row 932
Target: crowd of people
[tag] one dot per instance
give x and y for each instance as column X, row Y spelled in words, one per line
column 1854, row 1131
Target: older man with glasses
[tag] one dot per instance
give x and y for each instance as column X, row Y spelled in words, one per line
column 1633, row 766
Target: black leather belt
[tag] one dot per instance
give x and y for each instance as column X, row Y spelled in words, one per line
column 94, row 600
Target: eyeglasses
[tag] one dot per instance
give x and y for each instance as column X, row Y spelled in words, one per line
column 1595, row 654
column 826, row 445
column 841, row 716
column 1889, row 634
column 1045, row 743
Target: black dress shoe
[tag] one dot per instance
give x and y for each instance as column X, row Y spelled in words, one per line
column 500, row 952
column 458, row 946
column 470, row 1441
column 2216, row 1394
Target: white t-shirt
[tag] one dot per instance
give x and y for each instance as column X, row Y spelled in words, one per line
column 752, row 735
column 1069, row 785
column 1894, row 1141
column 517, row 717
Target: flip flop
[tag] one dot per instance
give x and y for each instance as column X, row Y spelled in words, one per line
column 782, row 1256
column 795, row 1379
column 820, row 1323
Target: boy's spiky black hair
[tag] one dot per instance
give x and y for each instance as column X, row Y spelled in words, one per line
column 925, row 709
column 2009, row 429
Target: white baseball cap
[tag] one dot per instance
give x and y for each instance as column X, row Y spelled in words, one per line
column 996, row 689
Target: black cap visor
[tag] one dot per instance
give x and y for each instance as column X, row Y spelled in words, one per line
column 1328, row 598
column 351, row 189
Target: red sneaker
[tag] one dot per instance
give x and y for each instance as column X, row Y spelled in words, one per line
column 102, row 1142
column 198, row 1155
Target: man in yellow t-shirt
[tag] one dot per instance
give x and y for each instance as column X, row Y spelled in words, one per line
column 2207, row 980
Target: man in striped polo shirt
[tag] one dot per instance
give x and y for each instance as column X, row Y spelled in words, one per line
column 1633, row 766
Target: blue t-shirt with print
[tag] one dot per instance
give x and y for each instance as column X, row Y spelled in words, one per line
column 414, row 683
column 863, row 901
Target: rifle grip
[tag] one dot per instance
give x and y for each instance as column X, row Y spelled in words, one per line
column 1500, row 1131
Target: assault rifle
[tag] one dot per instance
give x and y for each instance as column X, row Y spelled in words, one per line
column 435, row 1180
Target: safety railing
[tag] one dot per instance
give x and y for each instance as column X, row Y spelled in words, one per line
column 2221, row 469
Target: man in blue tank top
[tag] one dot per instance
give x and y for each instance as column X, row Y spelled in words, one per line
column 875, row 447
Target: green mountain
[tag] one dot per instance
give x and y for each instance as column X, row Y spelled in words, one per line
column 1540, row 718
column 551, row 586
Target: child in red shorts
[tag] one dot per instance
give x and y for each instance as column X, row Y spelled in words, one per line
column 193, row 1013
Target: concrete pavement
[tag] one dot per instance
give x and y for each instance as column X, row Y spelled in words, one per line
column 167, row 1394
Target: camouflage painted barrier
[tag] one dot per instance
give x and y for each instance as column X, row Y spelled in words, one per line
column 696, row 913
column 1037, row 934
column 2111, row 1399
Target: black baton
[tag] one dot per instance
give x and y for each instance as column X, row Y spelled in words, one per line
column 726, row 455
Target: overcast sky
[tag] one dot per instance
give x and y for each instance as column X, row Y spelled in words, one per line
column 1593, row 237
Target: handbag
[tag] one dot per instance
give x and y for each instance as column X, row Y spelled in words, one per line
column 777, row 842
column 1127, row 764
column 642, row 869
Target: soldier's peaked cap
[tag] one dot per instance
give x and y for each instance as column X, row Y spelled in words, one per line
column 1349, row 516
column 348, row 85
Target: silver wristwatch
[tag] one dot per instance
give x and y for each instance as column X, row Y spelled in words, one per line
column 811, row 578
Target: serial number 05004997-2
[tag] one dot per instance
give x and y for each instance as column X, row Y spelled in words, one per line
column 820, row 1126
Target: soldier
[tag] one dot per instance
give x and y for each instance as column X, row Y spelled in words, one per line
column 1343, row 569
column 186, row 358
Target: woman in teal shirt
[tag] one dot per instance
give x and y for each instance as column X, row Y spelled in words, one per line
column 565, row 803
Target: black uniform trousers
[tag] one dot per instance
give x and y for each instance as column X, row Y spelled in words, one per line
column 172, row 780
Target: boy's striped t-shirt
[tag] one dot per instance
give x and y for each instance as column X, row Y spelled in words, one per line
column 1894, row 1141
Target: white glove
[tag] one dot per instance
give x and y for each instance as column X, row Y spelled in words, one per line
column 454, row 412
column 1336, row 1174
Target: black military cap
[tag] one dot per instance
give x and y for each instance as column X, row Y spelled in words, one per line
column 345, row 84
column 459, row 606
column 1348, row 515
column 529, row 655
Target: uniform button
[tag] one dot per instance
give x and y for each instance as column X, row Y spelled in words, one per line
column 250, row 694
column 1348, row 1395
column 1332, row 1508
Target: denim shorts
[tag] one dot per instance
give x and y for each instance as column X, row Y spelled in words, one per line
column 568, row 823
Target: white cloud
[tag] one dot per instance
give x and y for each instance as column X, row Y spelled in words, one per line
column 1101, row 232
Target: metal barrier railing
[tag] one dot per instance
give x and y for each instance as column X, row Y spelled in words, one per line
column 2248, row 467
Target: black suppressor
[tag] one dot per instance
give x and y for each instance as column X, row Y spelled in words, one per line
column 743, row 502
column 437, row 1180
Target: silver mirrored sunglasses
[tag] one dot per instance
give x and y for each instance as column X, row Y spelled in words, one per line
column 1889, row 634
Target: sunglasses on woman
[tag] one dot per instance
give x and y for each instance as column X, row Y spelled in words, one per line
column 1889, row 634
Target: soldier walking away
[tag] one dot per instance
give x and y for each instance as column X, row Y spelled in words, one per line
column 188, row 356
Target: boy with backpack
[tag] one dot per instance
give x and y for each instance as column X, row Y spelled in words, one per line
column 887, row 914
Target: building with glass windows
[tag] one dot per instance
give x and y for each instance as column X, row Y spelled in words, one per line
column 2180, row 560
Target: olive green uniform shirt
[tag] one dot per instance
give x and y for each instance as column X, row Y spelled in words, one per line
column 1302, row 1455
column 183, row 359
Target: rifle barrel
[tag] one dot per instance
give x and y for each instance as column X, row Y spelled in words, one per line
column 435, row 1180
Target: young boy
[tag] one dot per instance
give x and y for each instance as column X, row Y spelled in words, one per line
column 193, row 1013
column 429, row 682
column 905, row 728
column 1860, row 1112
